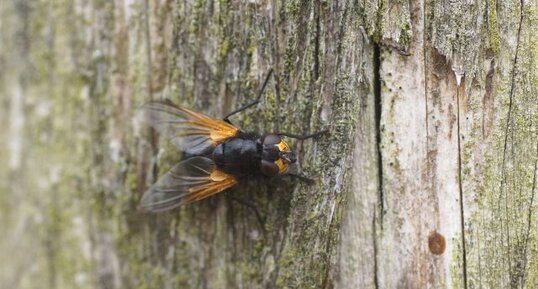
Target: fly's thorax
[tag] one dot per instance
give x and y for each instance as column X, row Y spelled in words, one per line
column 276, row 155
column 238, row 156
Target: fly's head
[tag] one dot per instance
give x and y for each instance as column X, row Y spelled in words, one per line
column 276, row 156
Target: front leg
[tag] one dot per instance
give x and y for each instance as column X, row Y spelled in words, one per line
column 302, row 137
column 300, row 177
column 256, row 101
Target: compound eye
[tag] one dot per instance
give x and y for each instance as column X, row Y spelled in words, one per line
column 271, row 139
column 269, row 169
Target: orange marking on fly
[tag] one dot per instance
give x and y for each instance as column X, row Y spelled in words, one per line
column 218, row 176
column 282, row 166
column 222, row 131
column 283, row 146
column 219, row 181
column 219, row 129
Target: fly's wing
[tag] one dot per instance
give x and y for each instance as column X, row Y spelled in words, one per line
column 191, row 180
column 190, row 131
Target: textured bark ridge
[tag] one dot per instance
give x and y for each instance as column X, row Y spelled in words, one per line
column 428, row 178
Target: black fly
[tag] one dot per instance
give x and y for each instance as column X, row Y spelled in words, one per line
column 220, row 155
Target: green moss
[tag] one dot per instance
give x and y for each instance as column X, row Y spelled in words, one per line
column 293, row 8
column 224, row 37
column 406, row 34
column 500, row 241
column 197, row 10
column 252, row 46
column 224, row 48
column 493, row 27
column 286, row 277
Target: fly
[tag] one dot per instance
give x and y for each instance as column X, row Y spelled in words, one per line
column 219, row 155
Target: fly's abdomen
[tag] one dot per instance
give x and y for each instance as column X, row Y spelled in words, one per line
column 238, row 156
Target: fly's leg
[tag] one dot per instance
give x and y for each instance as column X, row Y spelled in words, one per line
column 300, row 177
column 253, row 207
column 302, row 137
column 256, row 101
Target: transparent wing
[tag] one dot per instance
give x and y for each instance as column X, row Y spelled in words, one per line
column 191, row 180
column 190, row 131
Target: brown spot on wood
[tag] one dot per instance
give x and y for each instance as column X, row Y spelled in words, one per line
column 436, row 243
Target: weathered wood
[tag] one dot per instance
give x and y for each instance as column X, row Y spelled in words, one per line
column 427, row 180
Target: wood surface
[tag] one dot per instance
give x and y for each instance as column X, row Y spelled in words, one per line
column 428, row 178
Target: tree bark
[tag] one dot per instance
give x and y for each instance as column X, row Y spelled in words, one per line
column 427, row 178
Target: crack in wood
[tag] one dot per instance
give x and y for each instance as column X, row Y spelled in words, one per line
column 317, row 12
column 529, row 218
column 377, row 110
column 375, row 245
column 377, row 115
column 506, row 133
column 460, row 186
